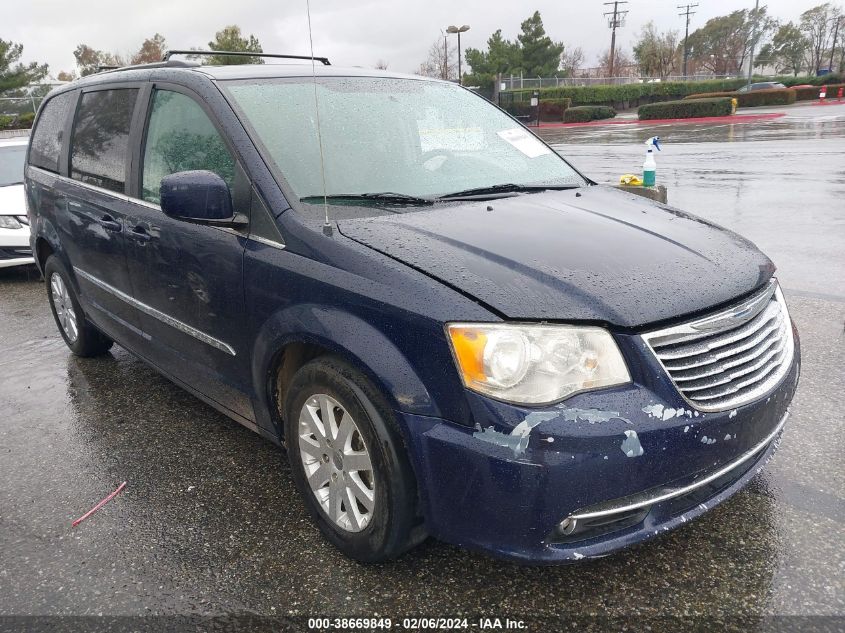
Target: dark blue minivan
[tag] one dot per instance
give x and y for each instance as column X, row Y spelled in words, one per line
column 452, row 331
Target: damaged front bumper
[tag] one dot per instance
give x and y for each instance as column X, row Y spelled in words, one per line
column 599, row 472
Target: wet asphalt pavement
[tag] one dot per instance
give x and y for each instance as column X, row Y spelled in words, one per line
column 780, row 182
column 210, row 523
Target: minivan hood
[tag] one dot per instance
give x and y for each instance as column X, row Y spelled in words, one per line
column 591, row 254
column 12, row 201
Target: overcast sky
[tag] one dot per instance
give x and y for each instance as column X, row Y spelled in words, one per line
column 399, row 32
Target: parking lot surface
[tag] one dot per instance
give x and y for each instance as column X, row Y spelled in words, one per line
column 780, row 183
column 210, row 524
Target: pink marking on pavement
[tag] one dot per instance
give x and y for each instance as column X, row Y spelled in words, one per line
column 735, row 118
column 99, row 505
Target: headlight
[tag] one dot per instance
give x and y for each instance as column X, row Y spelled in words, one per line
column 535, row 364
column 9, row 222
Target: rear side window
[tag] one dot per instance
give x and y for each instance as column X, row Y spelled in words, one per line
column 46, row 140
column 181, row 137
column 101, row 137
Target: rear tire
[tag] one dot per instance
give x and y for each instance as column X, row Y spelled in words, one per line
column 81, row 337
column 353, row 472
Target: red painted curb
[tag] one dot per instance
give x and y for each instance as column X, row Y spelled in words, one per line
column 735, row 118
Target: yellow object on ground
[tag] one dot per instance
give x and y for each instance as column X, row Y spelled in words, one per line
column 631, row 180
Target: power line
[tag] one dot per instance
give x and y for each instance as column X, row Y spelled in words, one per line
column 687, row 12
column 616, row 21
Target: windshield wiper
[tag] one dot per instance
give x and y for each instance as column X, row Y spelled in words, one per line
column 384, row 196
column 506, row 188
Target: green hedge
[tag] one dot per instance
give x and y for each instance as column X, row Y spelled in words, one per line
column 637, row 93
column 554, row 109
column 17, row 121
column 811, row 94
column 825, row 80
column 626, row 93
column 550, row 109
column 775, row 96
column 712, row 95
column 755, row 98
column 686, row 109
column 581, row 114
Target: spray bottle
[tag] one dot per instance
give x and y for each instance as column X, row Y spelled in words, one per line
column 649, row 166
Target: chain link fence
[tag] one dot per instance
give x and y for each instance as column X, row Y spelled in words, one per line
column 18, row 107
column 18, row 112
column 518, row 82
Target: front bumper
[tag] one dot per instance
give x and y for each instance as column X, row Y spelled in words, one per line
column 603, row 458
column 15, row 249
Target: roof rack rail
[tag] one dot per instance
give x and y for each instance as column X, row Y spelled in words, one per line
column 177, row 63
column 170, row 53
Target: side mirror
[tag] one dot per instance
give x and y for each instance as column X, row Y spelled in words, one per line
column 197, row 196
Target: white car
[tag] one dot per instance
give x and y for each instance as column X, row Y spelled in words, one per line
column 14, row 224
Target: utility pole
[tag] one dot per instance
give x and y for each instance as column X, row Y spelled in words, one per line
column 753, row 41
column 616, row 20
column 687, row 12
column 835, row 35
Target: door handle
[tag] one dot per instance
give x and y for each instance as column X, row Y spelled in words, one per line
column 110, row 224
column 140, row 233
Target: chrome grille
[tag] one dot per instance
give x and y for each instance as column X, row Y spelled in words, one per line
column 730, row 357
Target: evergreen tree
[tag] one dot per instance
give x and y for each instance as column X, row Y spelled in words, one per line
column 230, row 39
column 540, row 55
column 13, row 73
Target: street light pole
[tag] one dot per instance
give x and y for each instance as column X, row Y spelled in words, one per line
column 455, row 29
column 753, row 41
column 445, row 56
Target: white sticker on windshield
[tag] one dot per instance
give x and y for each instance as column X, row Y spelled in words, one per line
column 526, row 143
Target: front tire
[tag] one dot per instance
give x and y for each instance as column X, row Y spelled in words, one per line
column 349, row 462
column 81, row 337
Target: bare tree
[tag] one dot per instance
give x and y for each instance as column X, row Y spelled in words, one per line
column 571, row 61
column 623, row 65
column 152, row 50
column 381, row 64
column 817, row 24
column 89, row 59
column 656, row 53
column 722, row 45
column 442, row 61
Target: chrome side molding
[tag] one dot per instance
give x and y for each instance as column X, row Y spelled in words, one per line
column 157, row 314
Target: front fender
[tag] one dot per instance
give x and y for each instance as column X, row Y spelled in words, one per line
column 349, row 337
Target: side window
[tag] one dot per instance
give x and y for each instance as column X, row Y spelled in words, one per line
column 101, row 136
column 46, row 142
column 181, row 137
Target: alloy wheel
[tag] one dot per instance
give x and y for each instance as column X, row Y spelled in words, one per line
column 63, row 305
column 337, row 462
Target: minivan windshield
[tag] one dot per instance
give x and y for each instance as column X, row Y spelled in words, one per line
column 400, row 136
column 11, row 164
